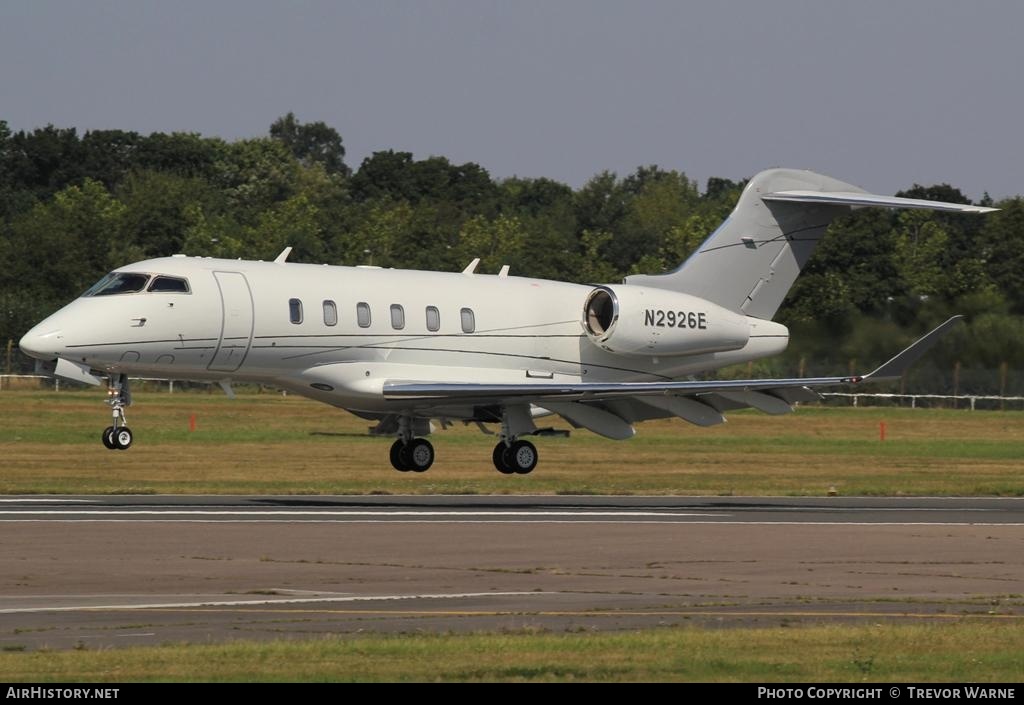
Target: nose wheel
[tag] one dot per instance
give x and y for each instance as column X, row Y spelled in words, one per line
column 118, row 436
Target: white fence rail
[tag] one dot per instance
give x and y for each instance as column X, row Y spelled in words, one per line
column 5, row 381
column 971, row 399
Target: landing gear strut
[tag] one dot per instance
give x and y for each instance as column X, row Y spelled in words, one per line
column 118, row 436
column 512, row 455
column 409, row 453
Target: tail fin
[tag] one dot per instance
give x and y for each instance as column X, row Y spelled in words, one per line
column 750, row 262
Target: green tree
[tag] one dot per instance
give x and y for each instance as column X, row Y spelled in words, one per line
column 185, row 154
column 545, row 210
column 311, row 143
column 919, row 243
column 496, row 242
column 58, row 249
column 158, row 203
column 293, row 223
column 254, row 174
column 1002, row 240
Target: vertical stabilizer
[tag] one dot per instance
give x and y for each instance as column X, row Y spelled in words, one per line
column 750, row 262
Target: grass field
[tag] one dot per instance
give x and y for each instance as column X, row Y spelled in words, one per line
column 267, row 443
column 962, row 652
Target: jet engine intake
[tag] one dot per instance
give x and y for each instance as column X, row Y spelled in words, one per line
column 636, row 320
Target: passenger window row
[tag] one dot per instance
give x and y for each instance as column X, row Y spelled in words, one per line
column 363, row 317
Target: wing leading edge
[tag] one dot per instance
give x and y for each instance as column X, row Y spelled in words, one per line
column 773, row 396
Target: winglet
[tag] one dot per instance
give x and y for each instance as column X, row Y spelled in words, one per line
column 897, row 367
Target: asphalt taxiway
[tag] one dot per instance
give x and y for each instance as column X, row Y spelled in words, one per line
column 120, row 570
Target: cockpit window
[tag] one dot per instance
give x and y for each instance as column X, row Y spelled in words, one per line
column 169, row 284
column 118, row 283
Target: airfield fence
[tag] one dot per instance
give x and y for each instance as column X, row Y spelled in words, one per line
column 954, row 387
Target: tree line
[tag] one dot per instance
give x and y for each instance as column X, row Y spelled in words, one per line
column 73, row 207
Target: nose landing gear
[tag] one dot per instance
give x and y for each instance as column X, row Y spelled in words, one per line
column 118, row 436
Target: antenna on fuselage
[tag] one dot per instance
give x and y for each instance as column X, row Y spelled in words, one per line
column 471, row 267
column 280, row 259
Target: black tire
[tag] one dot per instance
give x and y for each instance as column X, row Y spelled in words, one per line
column 498, row 456
column 521, row 457
column 108, row 438
column 123, row 438
column 396, row 456
column 418, row 455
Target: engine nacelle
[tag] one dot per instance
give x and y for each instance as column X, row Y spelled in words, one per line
column 637, row 320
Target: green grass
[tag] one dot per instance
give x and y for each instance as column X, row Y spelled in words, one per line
column 266, row 443
column 964, row 651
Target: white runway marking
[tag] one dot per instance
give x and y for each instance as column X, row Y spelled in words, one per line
column 516, row 521
column 266, row 601
column 51, row 500
column 355, row 513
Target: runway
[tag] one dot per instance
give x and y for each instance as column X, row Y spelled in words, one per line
column 124, row 570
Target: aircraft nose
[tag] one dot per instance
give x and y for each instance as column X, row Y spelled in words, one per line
column 41, row 343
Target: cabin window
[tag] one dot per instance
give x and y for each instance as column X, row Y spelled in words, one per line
column 330, row 313
column 174, row 285
column 118, row 283
column 397, row 317
column 295, row 310
column 363, row 314
column 433, row 319
column 468, row 320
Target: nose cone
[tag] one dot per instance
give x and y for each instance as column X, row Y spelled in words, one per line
column 42, row 342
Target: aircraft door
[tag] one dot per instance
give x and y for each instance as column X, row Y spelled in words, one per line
column 236, row 322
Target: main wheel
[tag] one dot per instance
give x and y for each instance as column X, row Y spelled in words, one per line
column 418, row 455
column 498, row 456
column 122, row 438
column 396, row 456
column 108, row 438
column 521, row 457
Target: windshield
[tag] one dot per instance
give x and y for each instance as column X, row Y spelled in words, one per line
column 118, row 283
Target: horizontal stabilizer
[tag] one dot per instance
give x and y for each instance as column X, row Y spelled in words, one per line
column 852, row 198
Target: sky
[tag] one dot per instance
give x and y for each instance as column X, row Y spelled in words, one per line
column 880, row 93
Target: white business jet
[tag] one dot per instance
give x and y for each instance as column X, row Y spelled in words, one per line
column 403, row 347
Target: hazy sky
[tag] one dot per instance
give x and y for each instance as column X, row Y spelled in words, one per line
column 881, row 93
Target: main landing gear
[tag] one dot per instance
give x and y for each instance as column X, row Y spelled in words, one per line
column 512, row 455
column 410, row 454
column 515, row 458
column 118, row 436
column 415, row 455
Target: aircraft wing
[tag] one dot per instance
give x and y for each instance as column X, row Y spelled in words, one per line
column 700, row 402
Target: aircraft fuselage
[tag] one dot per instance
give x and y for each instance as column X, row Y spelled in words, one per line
column 337, row 333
